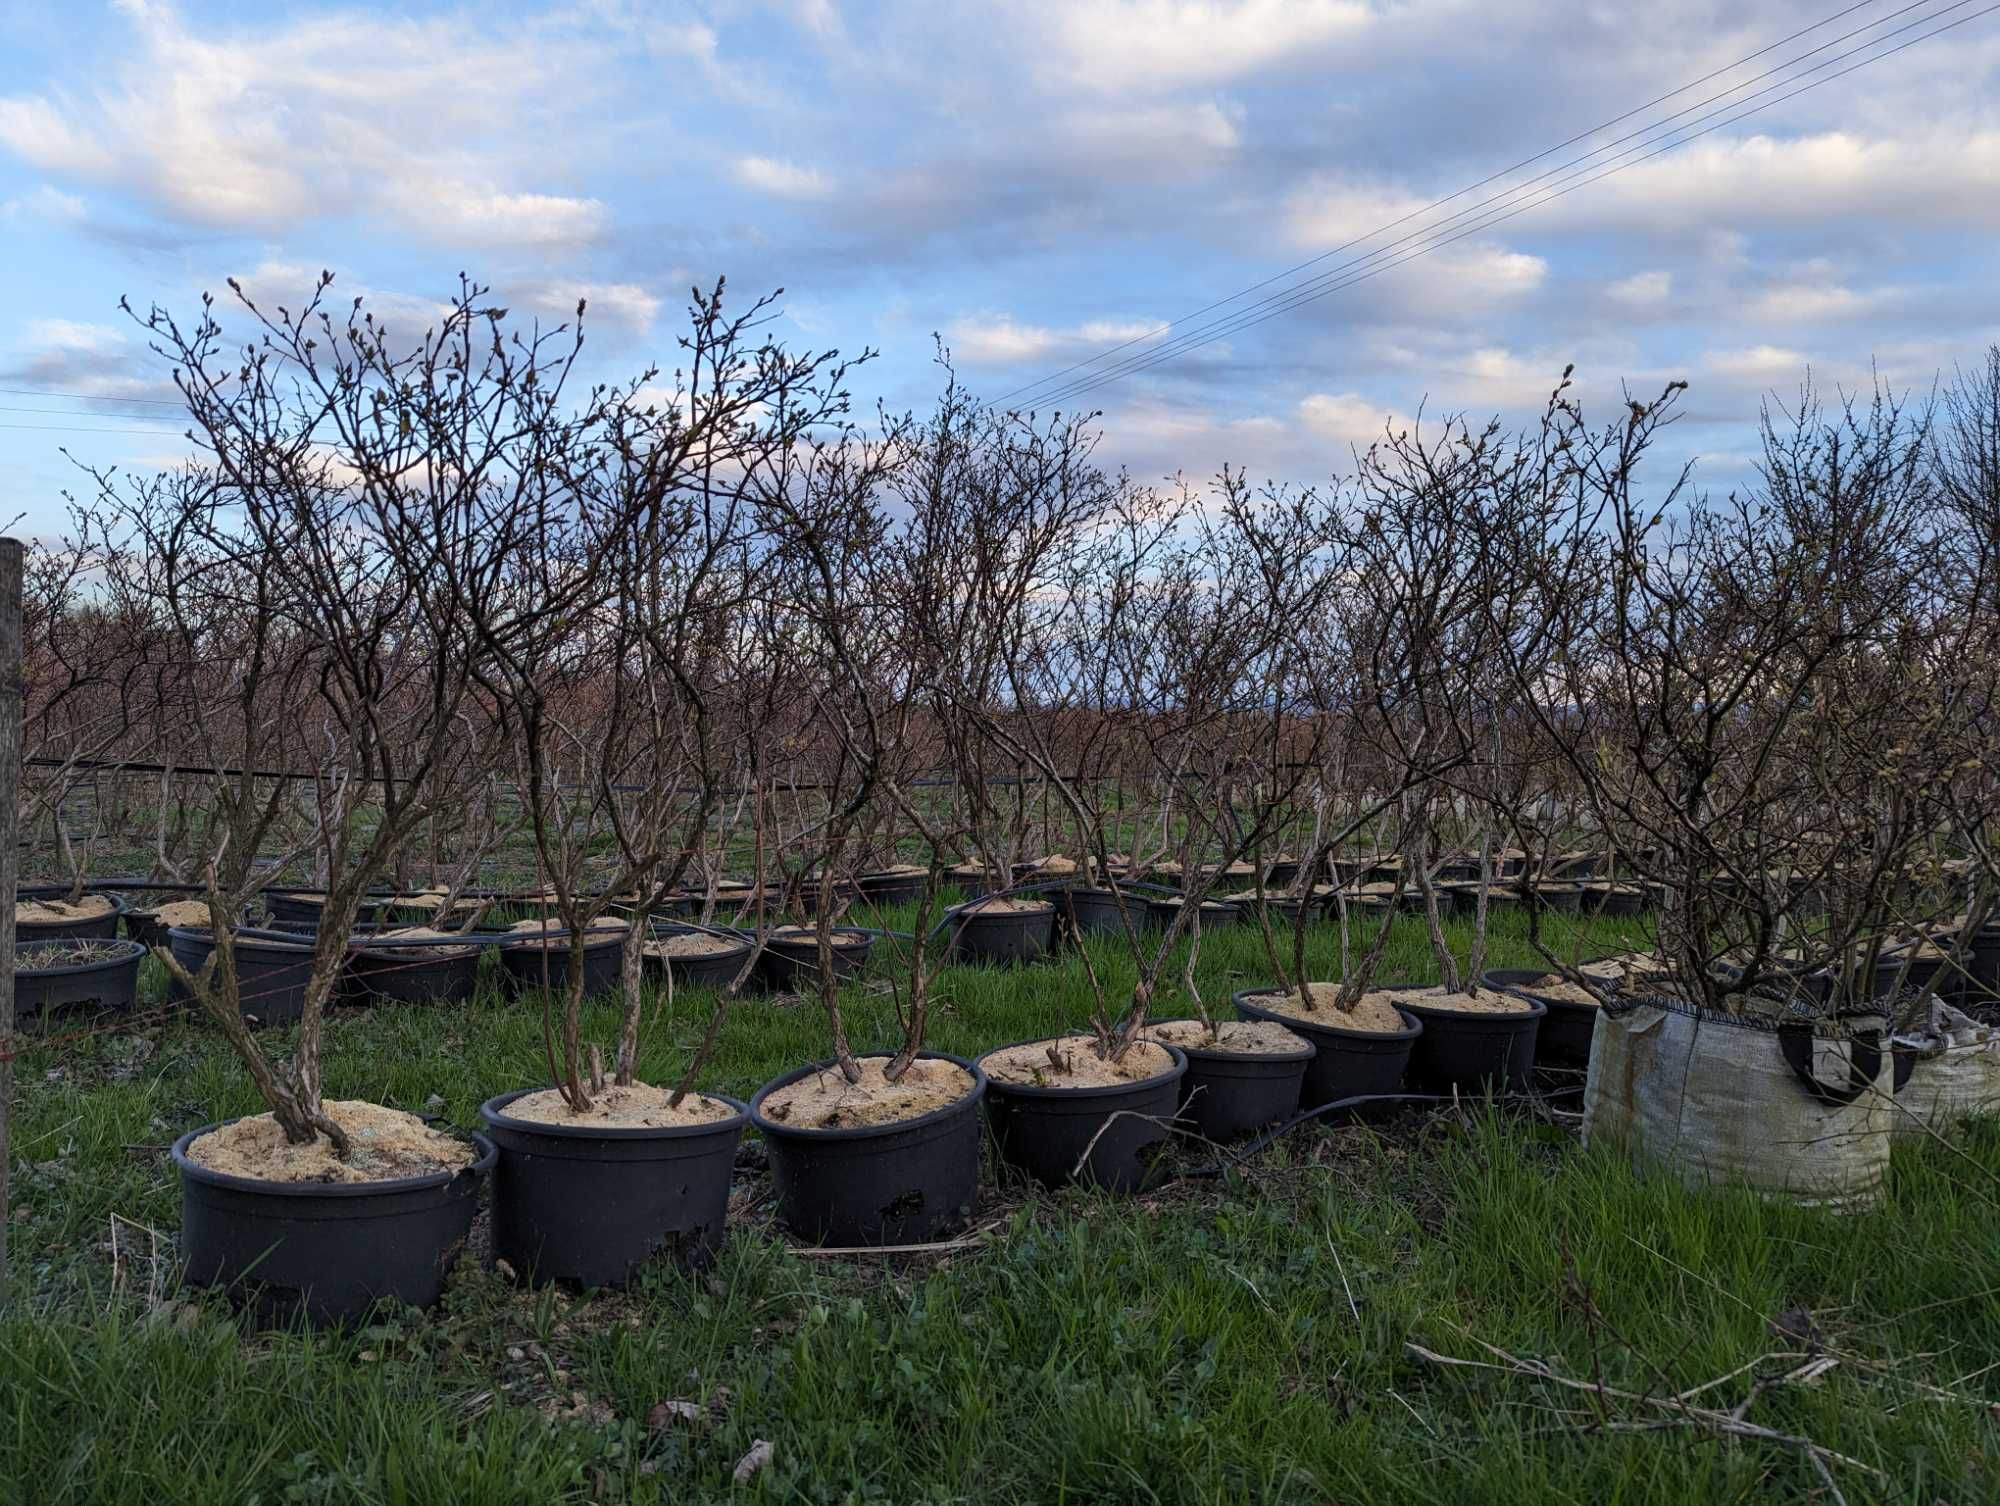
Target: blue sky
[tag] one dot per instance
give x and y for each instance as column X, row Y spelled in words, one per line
column 1032, row 181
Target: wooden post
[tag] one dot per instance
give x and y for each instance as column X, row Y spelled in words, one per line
column 10, row 779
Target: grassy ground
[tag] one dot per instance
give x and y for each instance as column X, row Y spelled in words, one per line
column 1242, row 1339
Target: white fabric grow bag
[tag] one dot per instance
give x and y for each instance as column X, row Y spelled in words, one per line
column 1713, row 1100
column 1955, row 1073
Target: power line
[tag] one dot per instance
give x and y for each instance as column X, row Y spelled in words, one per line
column 88, row 397
column 81, row 429
column 1459, row 194
column 1316, row 288
column 80, row 413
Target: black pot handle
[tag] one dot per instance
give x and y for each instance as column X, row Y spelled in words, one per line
column 1864, row 1061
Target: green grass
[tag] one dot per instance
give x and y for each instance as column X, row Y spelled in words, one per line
column 1232, row 1340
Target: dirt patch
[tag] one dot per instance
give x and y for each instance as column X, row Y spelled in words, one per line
column 1374, row 1011
column 43, row 912
column 1486, row 1001
column 639, row 1106
column 898, row 870
column 1241, row 1037
column 827, row 1100
column 691, row 944
column 1007, row 907
column 386, row 1144
column 1076, row 1064
column 1054, row 863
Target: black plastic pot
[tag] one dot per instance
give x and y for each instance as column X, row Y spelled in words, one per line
column 1215, row 913
column 1475, row 1052
column 876, row 1184
column 41, row 989
column 324, row 1251
column 414, row 972
column 1615, row 900
column 1346, row 1063
column 1000, row 938
column 143, row 924
column 892, row 888
column 271, row 974
column 711, row 970
column 1229, row 1094
column 1282, row 874
column 97, row 928
column 1563, row 1040
column 288, row 908
column 792, row 962
column 1094, row 1137
column 603, row 963
column 971, row 880
column 1283, row 909
column 1555, row 898
column 592, row 1205
column 1094, row 912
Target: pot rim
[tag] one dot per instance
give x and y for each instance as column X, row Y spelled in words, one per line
column 193, row 1171
column 1249, row 996
column 1176, row 1070
column 138, row 953
column 1026, row 909
column 768, row 1126
column 1424, row 1011
column 493, row 1112
column 865, row 938
column 262, row 940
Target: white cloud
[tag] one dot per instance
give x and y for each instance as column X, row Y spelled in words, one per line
column 781, row 179
column 1348, row 418
column 421, row 122
column 624, row 306
column 1642, row 291
column 999, row 340
column 1119, row 45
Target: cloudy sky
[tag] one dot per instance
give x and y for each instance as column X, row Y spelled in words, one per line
column 1034, row 181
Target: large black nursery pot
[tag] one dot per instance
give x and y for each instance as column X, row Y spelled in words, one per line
column 791, row 963
column 593, row 1204
column 703, row 969
column 893, row 887
column 271, row 972
column 143, row 924
column 1229, row 1094
column 291, row 908
column 1345, row 1063
column 1473, row 1051
column 1215, row 913
column 94, row 928
column 1001, row 937
column 324, row 1251
column 1095, row 1137
column 1087, row 911
column 603, row 962
column 1563, row 1038
column 414, row 972
column 43, row 987
column 905, row 1182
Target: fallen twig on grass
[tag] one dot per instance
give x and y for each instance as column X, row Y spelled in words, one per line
column 1682, row 1414
column 934, row 1247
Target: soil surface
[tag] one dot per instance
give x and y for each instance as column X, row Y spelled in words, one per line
column 1240, row 1037
column 604, row 924
column 691, row 944
column 795, row 934
column 67, row 954
column 48, row 911
column 1374, row 1011
column 182, row 912
column 639, row 1106
column 1007, row 907
column 1080, row 1066
column 386, row 1144
column 421, row 933
column 1486, row 1001
column 827, row 1100
column 1555, row 986
column 1054, row 863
